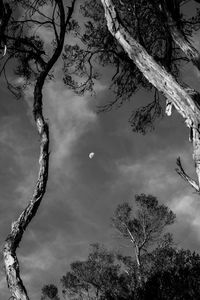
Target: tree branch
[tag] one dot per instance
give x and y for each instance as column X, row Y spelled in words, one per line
column 15, row 284
column 182, row 173
column 185, row 100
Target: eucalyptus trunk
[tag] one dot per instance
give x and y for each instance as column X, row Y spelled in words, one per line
column 15, row 283
column 185, row 99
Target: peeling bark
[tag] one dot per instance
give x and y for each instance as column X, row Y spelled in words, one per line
column 15, row 284
column 185, row 100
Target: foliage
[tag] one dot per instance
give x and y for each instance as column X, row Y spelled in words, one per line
column 50, row 291
column 27, row 50
column 144, row 225
column 174, row 274
column 110, row 275
column 99, row 277
column 97, row 47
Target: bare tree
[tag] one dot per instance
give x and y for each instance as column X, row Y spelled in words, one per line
column 34, row 67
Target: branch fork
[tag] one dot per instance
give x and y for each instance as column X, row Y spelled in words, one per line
column 185, row 176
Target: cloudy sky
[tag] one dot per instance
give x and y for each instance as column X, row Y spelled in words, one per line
column 82, row 193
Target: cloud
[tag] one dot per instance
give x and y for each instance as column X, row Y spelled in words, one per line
column 184, row 205
column 151, row 175
column 187, row 209
column 16, row 143
column 69, row 117
column 41, row 259
column 3, row 288
column 24, row 189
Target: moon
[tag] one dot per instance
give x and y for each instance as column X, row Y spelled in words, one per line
column 91, row 155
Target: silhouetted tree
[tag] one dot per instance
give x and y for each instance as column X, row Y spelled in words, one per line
column 174, row 274
column 147, row 42
column 143, row 225
column 171, row 273
column 146, row 22
column 34, row 65
column 111, row 275
column 185, row 99
column 98, row 277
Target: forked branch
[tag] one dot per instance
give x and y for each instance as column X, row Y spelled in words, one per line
column 186, row 177
column 184, row 99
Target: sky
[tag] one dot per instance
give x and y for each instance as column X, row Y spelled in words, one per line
column 83, row 193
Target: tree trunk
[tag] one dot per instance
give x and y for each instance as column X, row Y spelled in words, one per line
column 185, row 99
column 15, row 284
column 137, row 255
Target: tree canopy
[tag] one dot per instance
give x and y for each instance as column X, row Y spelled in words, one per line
column 145, row 44
column 109, row 274
column 147, row 23
column 99, row 277
column 144, row 227
column 170, row 273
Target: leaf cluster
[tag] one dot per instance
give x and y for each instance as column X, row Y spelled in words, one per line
column 174, row 274
column 98, row 277
column 144, row 226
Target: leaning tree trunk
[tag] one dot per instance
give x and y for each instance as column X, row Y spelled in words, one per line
column 185, row 100
column 15, row 284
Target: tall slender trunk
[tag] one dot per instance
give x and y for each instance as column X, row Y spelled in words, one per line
column 137, row 250
column 15, row 284
column 185, row 99
column 138, row 261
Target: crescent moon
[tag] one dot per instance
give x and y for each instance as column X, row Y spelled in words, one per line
column 5, row 49
column 91, row 155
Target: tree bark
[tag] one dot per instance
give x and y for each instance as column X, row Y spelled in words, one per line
column 179, row 38
column 15, row 284
column 137, row 250
column 185, row 99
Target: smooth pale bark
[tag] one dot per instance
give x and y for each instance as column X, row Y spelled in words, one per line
column 15, row 284
column 185, row 99
column 137, row 249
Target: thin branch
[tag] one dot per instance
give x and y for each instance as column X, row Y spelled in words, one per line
column 186, row 177
column 54, row 24
column 31, row 21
